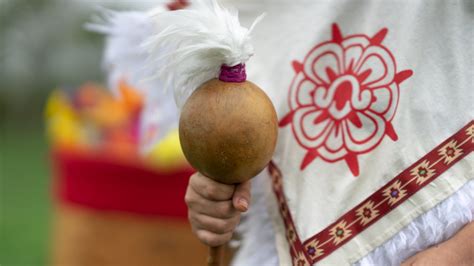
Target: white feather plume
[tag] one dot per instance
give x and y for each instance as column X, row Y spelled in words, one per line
column 189, row 46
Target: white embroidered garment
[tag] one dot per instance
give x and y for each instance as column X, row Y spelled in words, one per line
column 375, row 102
column 364, row 90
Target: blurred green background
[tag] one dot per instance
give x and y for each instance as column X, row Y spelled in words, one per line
column 43, row 45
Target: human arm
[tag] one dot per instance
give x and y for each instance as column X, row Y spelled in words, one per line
column 458, row 250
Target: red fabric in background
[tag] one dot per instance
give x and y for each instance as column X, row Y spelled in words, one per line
column 108, row 184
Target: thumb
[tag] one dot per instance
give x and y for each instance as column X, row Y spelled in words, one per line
column 241, row 198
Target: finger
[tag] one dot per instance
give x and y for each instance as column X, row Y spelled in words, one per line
column 217, row 209
column 213, row 239
column 214, row 225
column 241, row 198
column 211, row 189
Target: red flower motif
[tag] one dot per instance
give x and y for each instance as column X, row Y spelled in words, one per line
column 367, row 213
column 343, row 98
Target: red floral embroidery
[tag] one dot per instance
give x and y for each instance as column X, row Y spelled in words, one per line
column 343, row 98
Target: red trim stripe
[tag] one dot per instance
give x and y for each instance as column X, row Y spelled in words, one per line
column 380, row 203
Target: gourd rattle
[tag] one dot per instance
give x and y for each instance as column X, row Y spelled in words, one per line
column 228, row 125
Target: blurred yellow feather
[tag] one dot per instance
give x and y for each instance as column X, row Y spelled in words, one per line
column 63, row 126
column 167, row 154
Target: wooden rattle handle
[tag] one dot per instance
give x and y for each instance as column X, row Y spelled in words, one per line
column 215, row 256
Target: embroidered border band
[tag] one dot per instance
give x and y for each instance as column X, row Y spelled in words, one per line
column 387, row 198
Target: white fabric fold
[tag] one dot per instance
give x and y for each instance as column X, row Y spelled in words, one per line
column 433, row 227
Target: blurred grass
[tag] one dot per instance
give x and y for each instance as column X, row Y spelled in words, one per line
column 24, row 193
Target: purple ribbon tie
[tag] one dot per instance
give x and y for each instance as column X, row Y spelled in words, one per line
column 233, row 73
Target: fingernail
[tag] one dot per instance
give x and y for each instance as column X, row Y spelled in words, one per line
column 244, row 204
